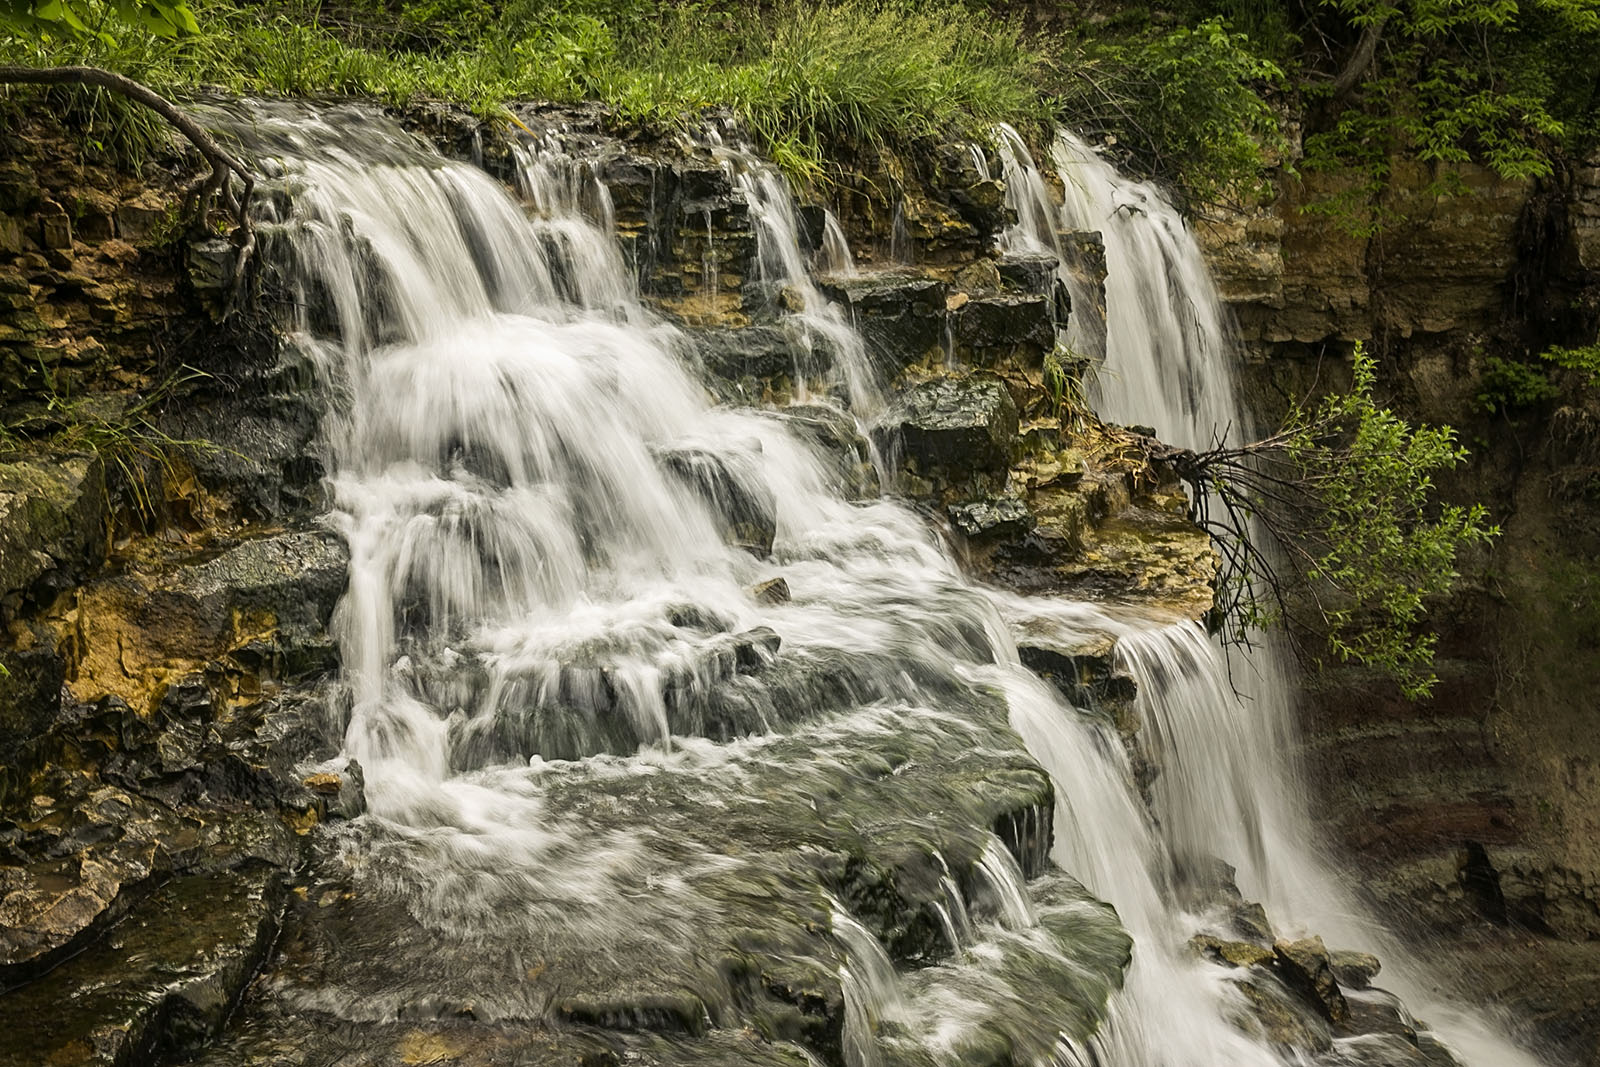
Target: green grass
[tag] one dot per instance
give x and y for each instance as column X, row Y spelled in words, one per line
column 806, row 77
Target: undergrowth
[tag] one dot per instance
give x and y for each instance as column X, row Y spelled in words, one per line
column 804, row 76
column 808, row 78
column 140, row 458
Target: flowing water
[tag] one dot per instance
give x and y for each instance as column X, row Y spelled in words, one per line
column 1221, row 732
column 593, row 755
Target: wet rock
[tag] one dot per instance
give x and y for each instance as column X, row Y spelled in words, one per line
column 742, row 502
column 835, row 434
column 1354, row 970
column 1006, row 328
column 1278, row 1016
column 1086, row 673
column 761, row 353
column 342, row 791
column 900, row 316
column 49, row 907
column 55, row 227
column 771, row 592
column 1233, row 953
column 996, row 517
column 754, row 649
column 211, row 264
column 951, row 429
column 980, row 276
column 1376, row 1011
column 30, row 699
column 53, row 526
column 1306, row 969
column 159, row 985
column 1028, row 272
column 1249, row 919
column 263, row 604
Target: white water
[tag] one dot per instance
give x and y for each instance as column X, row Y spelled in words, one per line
column 527, row 572
column 1223, row 739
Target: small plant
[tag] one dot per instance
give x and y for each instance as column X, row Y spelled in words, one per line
column 1508, row 386
column 1062, row 377
column 1585, row 360
column 1337, row 512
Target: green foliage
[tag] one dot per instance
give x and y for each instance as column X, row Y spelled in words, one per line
column 1188, row 104
column 1585, row 360
column 85, row 17
column 1452, row 81
column 1384, row 546
column 859, row 72
column 1508, row 386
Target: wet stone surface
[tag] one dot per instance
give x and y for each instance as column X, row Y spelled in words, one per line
column 695, row 903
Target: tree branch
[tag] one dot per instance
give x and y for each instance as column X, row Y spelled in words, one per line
column 1360, row 60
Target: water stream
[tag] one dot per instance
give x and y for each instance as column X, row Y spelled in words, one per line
column 577, row 721
column 1222, row 733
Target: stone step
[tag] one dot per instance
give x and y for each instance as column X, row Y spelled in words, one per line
column 158, row 984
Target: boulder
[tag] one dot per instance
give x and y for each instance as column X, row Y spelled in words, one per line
column 743, row 505
column 53, row 526
column 1306, row 969
column 952, row 428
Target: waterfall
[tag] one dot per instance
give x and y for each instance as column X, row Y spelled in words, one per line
column 1221, row 732
column 567, row 697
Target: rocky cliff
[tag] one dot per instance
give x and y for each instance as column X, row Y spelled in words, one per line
column 1474, row 813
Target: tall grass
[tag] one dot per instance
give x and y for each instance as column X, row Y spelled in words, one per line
column 806, row 77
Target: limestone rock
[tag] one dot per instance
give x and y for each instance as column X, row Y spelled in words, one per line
column 1307, row 970
column 52, row 525
column 953, row 428
column 264, row 604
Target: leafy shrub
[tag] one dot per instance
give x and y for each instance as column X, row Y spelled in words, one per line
column 1187, row 105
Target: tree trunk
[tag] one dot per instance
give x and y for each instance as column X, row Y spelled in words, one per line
column 1360, row 60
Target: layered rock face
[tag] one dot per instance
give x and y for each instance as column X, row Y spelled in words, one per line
column 168, row 733
column 1473, row 813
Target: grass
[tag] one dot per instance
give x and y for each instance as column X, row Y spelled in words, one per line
column 807, row 78
column 134, row 449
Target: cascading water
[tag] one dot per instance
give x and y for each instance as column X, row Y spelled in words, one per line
column 580, row 728
column 1222, row 737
